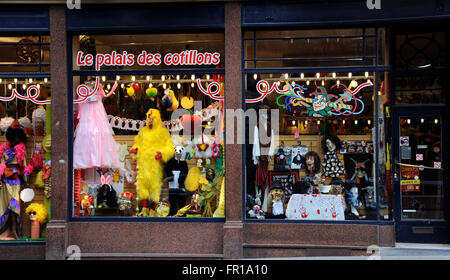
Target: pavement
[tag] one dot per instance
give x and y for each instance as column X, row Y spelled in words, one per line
column 401, row 251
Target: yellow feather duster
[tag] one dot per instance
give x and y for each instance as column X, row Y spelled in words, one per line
column 193, row 177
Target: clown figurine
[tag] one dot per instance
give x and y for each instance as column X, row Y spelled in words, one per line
column 153, row 147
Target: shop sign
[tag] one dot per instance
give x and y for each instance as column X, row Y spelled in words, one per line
column 419, row 157
column 404, row 141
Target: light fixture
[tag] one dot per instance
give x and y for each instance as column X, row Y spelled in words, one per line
column 338, row 82
column 408, row 121
column 369, row 122
column 208, row 77
column 422, row 120
column 133, row 78
column 192, row 85
column 30, row 80
column 45, row 80
column 38, row 85
column 436, row 121
column 306, row 122
column 148, row 78
column 164, row 86
column 366, row 74
column 293, row 122
column 356, row 121
column 163, row 78
column 349, row 75
column 1, row 80
column 178, row 85
column 10, row 86
column 307, row 83
column 193, row 77
column 108, row 86
column 178, row 77
column 318, row 122
column 323, row 83
column 24, row 86
column 353, row 84
column 150, row 85
column 255, row 76
column 343, row 122
column 117, row 77
column 334, row 75
column 122, row 85
column 302, row 75
column 103, row 78
column 15, row 80
column 286, row 76
column 318, row 75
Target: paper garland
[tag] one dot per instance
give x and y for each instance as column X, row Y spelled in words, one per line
column 173, row 126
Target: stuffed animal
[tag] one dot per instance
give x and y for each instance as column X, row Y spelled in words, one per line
column 106, row 196
column 86, row 204
column 153, row 147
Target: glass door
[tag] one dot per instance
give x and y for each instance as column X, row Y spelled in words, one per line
column 420, row 178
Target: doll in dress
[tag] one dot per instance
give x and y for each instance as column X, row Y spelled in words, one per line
column 13, row 172
column 331, row 165
column 94, row 145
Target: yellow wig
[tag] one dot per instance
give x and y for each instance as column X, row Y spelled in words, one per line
column 148, row 142
column 41, row 211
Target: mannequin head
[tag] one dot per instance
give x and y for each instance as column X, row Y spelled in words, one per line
column 330, row 143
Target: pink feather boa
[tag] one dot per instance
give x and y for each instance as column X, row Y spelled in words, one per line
column 21, row 152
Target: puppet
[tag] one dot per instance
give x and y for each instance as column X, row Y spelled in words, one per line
column 13, row 172
column 153, row 147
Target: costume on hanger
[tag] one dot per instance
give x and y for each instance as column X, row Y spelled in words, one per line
column 94, row 145
column 261, row 154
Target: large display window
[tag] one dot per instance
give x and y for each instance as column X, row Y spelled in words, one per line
column 148, row 126
column 25, row 141
column 311, row 152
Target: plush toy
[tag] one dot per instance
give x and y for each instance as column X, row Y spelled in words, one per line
column 107, row 196
column 153, row 147
column 192, row 179
column 13, row 172
column 38, row 216
column 86, row 204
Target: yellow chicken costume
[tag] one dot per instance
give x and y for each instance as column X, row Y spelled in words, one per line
column 153, row 146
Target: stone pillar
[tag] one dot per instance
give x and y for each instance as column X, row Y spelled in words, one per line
column 57, row 228
column 233, row 227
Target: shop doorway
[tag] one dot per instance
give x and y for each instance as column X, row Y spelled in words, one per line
column 420, row 175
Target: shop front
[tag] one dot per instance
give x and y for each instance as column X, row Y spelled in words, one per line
column 213, row 130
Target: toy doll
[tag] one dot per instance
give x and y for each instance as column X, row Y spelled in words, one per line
column 94, row 145
column 153, row 147
column 332, row 167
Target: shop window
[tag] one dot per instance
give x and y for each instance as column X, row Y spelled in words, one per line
column 153, row 145
column 25, row 141
column 311, row 152
column 420, row 57
column 306, row 48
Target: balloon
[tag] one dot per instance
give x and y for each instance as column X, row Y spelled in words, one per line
column 151, row 92
column 136, row 87
column 130, row 91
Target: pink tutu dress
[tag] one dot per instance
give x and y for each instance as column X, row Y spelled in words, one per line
column 94, row 145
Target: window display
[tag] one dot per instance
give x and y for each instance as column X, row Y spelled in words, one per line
column 149, row 144
column 321, row 122
column 25, row 138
